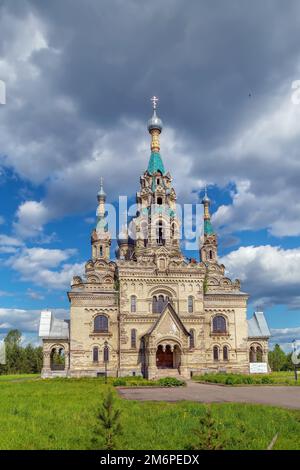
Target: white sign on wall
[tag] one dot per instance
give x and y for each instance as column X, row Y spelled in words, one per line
column 258, row 368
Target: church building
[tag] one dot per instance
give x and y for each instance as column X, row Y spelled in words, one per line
column 150, row 311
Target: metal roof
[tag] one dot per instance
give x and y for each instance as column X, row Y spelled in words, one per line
column 258, row 327
column 51, row 327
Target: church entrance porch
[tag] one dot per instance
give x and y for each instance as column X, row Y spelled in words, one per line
column 167, row 356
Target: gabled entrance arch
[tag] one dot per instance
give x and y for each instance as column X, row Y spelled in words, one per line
column 168, row 356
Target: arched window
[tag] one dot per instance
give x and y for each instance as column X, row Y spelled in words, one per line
column 192, row 339
column 159, row 201
column 259, row 354
column 100, row 324
column 225, row 353
column 106, row 354
column 216, row 353
column 160, row 235
column 57, row 358
column 161, row 303
column 190, row 304
column 133, row 304
column 173, row 230
column 210, row 254
column 133, row 339
column 219, row 324
column 252, row 354
column 154, row 304
column 95, row 354
column 101, row 250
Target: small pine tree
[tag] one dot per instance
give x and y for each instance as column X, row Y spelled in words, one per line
column 109, row 418
column 208, row 435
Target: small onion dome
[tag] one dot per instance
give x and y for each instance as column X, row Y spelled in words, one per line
column 101, row 193
column 205, row 199
column 155, row 122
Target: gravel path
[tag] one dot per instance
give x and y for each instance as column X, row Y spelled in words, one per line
column 285, row 396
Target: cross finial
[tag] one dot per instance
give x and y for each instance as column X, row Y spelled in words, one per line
column 154, row 100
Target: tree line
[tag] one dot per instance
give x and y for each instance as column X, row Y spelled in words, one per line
column 279, row 360
column 21, row 359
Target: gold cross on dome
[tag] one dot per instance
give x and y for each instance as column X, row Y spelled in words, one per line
column 154, row 100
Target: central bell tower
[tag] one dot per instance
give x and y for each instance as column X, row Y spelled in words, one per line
column 156, row 225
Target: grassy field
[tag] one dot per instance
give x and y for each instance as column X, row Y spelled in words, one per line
column 275, row 378
column 13, row 377
column 62, row 414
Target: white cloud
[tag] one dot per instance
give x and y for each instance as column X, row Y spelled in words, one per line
column 27, row 321
column 38, row 265
column 34, row 295
column 9, row 245
column 263, row 161
column 285, row 337
column 31, row 217
column 269, row 273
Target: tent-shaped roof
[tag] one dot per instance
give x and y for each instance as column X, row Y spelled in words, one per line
column 258, row 327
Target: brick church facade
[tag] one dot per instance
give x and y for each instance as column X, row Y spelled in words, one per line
column 150, row 311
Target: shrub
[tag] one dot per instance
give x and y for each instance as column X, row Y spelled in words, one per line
column 235, row 379
column 120, row 382
column 170, row 382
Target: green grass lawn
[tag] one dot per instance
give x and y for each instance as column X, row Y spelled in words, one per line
column 62, row 414
column 274, row 378
column 13, row 377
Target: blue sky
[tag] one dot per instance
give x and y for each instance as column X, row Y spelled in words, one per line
column 79, row 79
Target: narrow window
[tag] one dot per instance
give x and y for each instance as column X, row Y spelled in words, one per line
column 95, row 354
column 225, row 353
column 101, row 250
column 154, row 305
column 160, row 236
column 216, row 353
column 106, row 354
column 133, row 304
column 259, row 354
column 173, row 230
column 210, row 254
column 161, row 303
column 159, row 201
column 192, row 339
column 190, row 304
column 133, row 339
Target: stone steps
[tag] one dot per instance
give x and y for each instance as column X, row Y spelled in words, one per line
column 161, row 373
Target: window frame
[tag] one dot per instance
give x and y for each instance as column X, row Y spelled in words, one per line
column 99, row 329
column 190, row 304
column 217, row 330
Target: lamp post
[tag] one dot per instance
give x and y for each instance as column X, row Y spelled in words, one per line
column 294, row 355
column 106, row 358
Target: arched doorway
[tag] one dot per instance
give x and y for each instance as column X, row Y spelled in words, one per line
column 57, row 358
column 167, row 356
